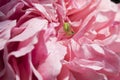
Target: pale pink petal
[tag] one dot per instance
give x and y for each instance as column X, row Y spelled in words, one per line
column 32, row 26
column 118, row 12
column 22, row 51
column 109, row 7
column 46, row 10
column 65, row 74
column 52, row 65
column 81, row 72
column 5, row 30
column 12, row 10
column 79, row 8
column 103, row 19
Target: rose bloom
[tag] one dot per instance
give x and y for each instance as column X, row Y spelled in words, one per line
column 59, row 40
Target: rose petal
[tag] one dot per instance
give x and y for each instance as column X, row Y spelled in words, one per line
column 52, row 65
column 5, row 30
column 32, row 27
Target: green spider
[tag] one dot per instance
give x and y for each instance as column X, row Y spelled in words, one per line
column 67, row 29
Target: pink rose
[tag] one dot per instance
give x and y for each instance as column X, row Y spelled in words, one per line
column 59, row 40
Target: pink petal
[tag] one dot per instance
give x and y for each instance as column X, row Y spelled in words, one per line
column 33, row 26
column 5, row 30
column 52, row 65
